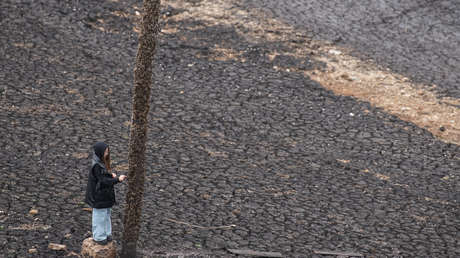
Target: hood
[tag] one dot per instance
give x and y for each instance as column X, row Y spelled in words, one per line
column 98, row 153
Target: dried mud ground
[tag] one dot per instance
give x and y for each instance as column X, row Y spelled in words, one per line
column 240, row 154
column 418, row 38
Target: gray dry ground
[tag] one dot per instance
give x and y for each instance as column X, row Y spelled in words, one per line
column 294, row 167
column 418, row 38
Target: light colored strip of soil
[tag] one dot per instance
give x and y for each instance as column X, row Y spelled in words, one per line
column 394, row 93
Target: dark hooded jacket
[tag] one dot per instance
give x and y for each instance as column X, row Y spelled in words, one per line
column 100, row 192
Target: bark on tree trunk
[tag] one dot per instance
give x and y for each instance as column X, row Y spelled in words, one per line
column 138, row 133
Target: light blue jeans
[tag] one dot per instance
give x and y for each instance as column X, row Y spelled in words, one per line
column 102, row 224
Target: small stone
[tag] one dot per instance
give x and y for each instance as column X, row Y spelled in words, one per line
column 335, row 52
column 445, row 178
column 442, row 129
column 33, row 251
column 236, row 212
column 33, row 212
column 57, row 247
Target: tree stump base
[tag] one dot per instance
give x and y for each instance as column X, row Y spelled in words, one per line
column 91, row 249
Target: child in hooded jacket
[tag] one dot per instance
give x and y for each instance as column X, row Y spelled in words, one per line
column 100, row 193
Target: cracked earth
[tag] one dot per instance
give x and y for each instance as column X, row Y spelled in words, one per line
column 262, row 136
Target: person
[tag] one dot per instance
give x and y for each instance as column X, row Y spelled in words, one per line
column 100, row 193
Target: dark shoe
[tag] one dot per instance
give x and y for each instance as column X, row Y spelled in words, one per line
column 109, row 239
column 102, row 242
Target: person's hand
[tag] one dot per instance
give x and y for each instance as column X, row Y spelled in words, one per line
column 122, row 178
column 114, row 175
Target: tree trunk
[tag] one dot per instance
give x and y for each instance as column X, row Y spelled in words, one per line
column 139, row 124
